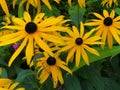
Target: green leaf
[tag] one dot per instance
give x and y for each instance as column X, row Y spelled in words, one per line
column 103, row 54
column 76, row 14
column 72, row 83
column 117, row 10
column 4, row 73
column 20, row 11
column 24, row 74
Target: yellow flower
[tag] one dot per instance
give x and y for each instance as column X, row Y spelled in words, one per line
column 7, row 84
column 80, row 43
column 34, row 3
column 107, row 27
column 4, row 7
column 80, row 2
column 50, row 65
column 33, row 31
column 109, row 2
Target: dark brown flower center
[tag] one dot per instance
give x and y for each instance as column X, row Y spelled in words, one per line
column 79, row 41
column 108, row 21
column 51, row 61
column 31, row 27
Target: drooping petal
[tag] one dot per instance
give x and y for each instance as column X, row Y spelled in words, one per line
column 46, row 2
column 84, row 55
column 110, row 40
column 78, row 56
column 70, row 54
column 44, row 75
column 42, row 44
column 17, row 52
column 54, row 76
column 29, row 50
column 4, row 7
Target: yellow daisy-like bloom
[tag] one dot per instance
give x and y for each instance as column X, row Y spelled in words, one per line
column 34, row 3
column 4, row 7
column 50, row 65
column 107, row 27
column 33, row 31
column 108, row 3
column 80, row 2
column 7, row 84
column 80, row 43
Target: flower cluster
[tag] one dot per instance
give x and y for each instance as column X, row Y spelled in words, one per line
column 35, row 33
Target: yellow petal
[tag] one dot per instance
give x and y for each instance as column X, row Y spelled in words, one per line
column 81, row 29
column 9, row 36
column 27, row 17
column 4, row 7
column 112, row 14
column 29, row 50
column 105, row 13
column 19, row 21
column 12, row 87
column 44, row 75
column 54, row 76
column 78, row 56
column 42, row 44
column 39, row 17
column 91, row 50
column 17, row 52
column 52, row 38
column 84, row 55
column 70, row 54
column 98, row 16
column 69, row 2
column 75, row 30
column 59, row 75
column 110, row 40
column 115, row 34
column 65, row 68
column 46, row 2
column 10, row 41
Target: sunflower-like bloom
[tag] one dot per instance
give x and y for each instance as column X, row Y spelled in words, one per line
column 7, row 84
column 108, row 3
column 107, row 27
column 34, row 3
column 80, row 43
column 4, row 7
column 31, row 31
column 50, row 65
column 80, row 2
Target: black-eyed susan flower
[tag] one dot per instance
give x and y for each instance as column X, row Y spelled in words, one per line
column 31, row 31
column 78, row 43
column 108, row 3
column 4, row 7
column 80, row 2
column 51, row 66
column 7, row 84
column 107, row 27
